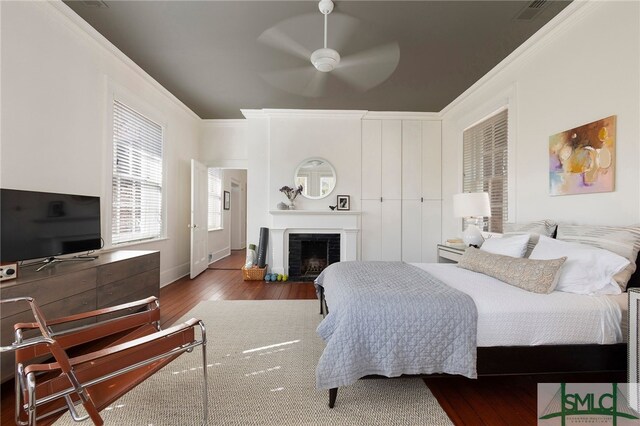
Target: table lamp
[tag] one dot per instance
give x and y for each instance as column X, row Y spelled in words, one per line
column 473, row 207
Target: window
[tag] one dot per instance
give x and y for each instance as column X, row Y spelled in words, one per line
column 485, row 164
column 302, row 180
column 215, row 198
column 137, row 212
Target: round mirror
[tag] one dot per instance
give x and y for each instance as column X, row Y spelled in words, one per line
column 317, row 177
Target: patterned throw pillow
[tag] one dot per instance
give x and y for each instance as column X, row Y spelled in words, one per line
column 534, row 229
column 538, row 276
column 622, row 240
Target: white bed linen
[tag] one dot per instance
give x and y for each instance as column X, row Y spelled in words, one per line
column 510, row 316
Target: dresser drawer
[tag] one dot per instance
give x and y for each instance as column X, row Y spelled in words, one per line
column 75, row 304
column 126, row 290
column 120, row 270
column 47, row 290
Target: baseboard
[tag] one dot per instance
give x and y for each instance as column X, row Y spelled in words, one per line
column 220, row 254
column 174, row 274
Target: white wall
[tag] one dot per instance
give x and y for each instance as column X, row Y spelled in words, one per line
column 585, row 69
column 57, row 74
column 224, row 143
column 337, row 140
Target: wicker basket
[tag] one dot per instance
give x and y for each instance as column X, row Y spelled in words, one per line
column 254, row 274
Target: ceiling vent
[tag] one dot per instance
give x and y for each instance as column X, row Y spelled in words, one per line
column 96, row 4
column 531, row 10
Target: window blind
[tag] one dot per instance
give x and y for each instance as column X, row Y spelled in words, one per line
column 137, row 176
column 485, row 159
column 215, row 198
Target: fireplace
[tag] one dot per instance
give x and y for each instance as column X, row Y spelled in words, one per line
column 309, row 254
column 343, row 225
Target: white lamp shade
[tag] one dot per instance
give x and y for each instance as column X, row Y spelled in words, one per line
column 471, row 204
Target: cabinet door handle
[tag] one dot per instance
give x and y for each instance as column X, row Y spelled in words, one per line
column 422, row 199
column 380, row 199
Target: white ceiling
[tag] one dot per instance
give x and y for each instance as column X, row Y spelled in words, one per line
column 207, row 53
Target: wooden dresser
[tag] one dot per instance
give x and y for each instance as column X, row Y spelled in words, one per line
column 73, row 287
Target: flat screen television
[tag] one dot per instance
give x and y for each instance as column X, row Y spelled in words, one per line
column 43, row 224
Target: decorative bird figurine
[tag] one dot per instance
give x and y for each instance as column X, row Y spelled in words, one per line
column 333, row 207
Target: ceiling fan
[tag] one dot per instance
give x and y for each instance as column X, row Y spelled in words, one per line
column 361, row 70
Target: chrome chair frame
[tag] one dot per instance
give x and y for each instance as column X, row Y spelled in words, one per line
column 27, row 382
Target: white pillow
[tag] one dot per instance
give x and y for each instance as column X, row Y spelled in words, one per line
column 587, row 270
column 514, row 246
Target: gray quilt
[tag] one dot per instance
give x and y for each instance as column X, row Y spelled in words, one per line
column 391, row 318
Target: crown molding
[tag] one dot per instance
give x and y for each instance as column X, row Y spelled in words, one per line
column 401, row 115
column 239, row 122
column 252, row 113
column 314, row 113
column 303, row 113
column 74, row 22
column 559, row 24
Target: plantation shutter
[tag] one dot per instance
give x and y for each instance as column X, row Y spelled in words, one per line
column 215, row 198
column 485, row 159
column 137, row 176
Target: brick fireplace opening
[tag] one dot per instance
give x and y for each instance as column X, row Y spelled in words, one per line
column 309, row 254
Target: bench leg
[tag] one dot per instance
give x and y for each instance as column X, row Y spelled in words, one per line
column 333, row 394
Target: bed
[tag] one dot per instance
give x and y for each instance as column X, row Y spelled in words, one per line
column 518, row 332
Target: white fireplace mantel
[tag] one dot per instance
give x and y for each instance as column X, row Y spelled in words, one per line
column 285, row 222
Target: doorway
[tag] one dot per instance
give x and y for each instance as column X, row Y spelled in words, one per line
column 228, row 209
column 238, row 215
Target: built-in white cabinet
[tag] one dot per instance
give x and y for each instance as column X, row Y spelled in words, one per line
column 431, row 229
column 371, row 160
column 381, row 189
column 401, row 190
column 383, row 237
column 391, row 165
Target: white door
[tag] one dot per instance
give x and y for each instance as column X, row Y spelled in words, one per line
column 391, row 157
column 371, row 159
column 431, row 160
column 431, row 229
column 391, row 234
column 411, row 160
column 198, row 223
column 411, row 231
column 371, row 230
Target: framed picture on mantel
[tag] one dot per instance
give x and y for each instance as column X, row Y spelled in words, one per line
column 344, row 202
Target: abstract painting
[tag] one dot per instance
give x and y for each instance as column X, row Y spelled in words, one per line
column 582, row 160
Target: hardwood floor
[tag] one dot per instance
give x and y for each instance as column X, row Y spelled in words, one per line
column 486, row 401
column 223, row 281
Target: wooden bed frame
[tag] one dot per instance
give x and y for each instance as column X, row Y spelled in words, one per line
column 543, row 359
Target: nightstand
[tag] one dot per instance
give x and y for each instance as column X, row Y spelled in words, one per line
column 448, row 254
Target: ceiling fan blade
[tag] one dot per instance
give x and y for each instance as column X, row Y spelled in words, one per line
column 369, row 68
column 341, row 30
column 305, row 81
column 315, row 87
column 278, row 39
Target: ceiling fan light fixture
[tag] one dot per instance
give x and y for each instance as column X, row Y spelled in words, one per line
column 325, row 59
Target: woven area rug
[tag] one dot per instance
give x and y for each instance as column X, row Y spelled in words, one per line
column 261, row 362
